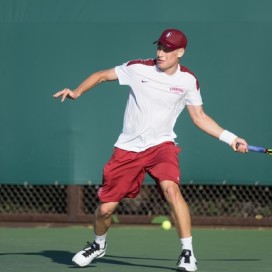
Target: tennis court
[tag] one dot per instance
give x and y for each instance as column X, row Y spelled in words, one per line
column 133, row 249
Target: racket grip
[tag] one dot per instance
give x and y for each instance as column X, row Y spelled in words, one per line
column 256, row 148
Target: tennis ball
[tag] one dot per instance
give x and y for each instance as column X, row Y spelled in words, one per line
column 166, row 225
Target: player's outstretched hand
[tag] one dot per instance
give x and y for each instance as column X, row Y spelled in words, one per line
column 65, row 93
column 239, row 145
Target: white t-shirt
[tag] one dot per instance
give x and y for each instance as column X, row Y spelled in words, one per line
column 154, row 103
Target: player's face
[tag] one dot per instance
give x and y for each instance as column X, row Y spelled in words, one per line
column 168, row 60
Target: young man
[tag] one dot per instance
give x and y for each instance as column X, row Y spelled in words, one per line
column 159, row 90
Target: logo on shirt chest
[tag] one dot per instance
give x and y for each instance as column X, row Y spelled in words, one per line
column 177, row 90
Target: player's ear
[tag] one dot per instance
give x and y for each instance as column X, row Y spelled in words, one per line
column 181, row 52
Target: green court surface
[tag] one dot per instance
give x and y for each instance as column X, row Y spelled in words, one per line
column 134, row 249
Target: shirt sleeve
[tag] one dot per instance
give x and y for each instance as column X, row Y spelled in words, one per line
column 123, row 74
column 193, row 96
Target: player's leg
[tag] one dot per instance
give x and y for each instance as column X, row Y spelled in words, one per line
column 97, row 249
column 163, row 166
column 182, row 219
column 178, row 206
column 122, row 177
column 102, row 217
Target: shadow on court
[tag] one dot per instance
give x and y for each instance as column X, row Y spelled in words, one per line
column 65, row 258
column 230, row 260
column 129, row 261
column 57, row 256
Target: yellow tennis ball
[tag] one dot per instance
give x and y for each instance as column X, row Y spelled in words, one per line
column 166, row 225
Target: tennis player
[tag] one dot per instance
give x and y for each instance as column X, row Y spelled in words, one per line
column 159, row 90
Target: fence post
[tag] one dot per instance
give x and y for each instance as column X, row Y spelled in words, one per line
column 74, row 202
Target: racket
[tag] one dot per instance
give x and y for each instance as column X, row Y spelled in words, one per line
column 258, row 149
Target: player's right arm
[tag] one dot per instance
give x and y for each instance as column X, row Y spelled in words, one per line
column 87, row 84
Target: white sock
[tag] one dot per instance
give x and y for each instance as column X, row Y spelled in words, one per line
column 186, row 243
column 101, row 240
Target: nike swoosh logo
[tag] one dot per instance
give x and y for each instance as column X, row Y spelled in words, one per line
column 144, row 81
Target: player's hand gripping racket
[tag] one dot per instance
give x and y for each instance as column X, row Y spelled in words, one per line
column 258, row 149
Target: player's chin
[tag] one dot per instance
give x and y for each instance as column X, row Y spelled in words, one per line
column 161, row 65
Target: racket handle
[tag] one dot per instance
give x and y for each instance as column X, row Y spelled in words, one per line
column 256, row 148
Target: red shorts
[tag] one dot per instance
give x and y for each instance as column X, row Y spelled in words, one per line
column 124, row 174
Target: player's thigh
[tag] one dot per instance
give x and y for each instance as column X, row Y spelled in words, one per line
column 164, row 165
column 122, row 176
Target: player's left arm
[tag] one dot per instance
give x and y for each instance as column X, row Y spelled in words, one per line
column 208, row 125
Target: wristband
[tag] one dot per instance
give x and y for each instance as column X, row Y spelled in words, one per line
column 227, row 137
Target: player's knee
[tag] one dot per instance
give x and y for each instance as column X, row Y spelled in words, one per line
column 105, row 211
column 172, row 193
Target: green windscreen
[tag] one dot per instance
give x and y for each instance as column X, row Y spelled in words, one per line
column 49, row 45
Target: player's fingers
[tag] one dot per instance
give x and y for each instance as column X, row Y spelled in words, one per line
column 235, row 145
column 65, row 93
column 59, row 93
column 241, row 147
column 70, row 94
column 56, row 95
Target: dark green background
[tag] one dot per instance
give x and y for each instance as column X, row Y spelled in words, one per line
column 48, row 45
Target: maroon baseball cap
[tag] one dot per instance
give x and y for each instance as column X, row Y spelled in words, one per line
column 172, row 39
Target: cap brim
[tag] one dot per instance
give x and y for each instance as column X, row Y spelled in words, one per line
column 170, row 48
